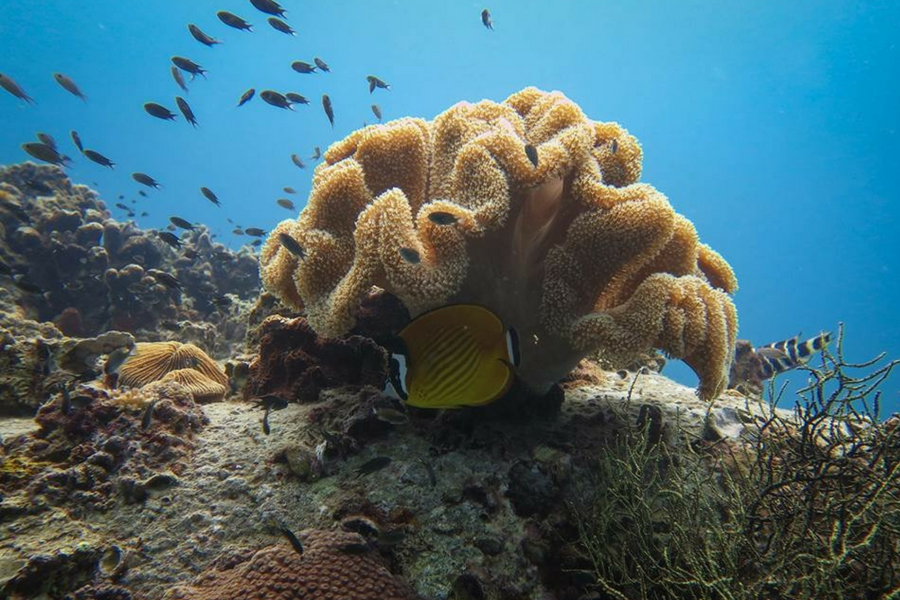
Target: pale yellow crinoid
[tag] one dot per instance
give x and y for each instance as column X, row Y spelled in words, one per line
column 572, row 252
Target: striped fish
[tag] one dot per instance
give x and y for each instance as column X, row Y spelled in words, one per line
column 454, row 356
column 785, row 355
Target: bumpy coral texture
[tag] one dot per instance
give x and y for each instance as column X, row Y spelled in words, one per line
column 325, row 571
column 173, row 361
column 573, row 252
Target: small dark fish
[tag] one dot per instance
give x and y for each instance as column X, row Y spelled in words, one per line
column 246, row 97
column 440, row 217
column 375, row 82
column 98, row 158
column 432, row 476
column 76, row 139
column 329, row 111
column 410, row 255
column 81, row 401
column 289, row 190
column 270, row 7
column 115, row 359
column 316, row 153
column 144, row 213
column 279, row 25
column 271, row 402
column 256, row 243
column 295, row 543
column 169, row 238
column 265, row 423
column 486, row 19
column 297, row 161
column 531, row 153
column 159, row 111
column 145, row 179
column 322, row 64
column 237, row 231
column 121, row 196
column 185, row 109
column 142, row 193
column 13, row 88
column 296, row 98
column 124, row 207
column 148, row 414
column 210, row 195
column 275, row 99
column 189, row 66
column 46, row 138
column 254, row 231
column 285, row 203
column 232, row 20
column 391, row 415
column 170, row 281
column 303, row 67
column 221, row 301
column 68, row 85
column 179, row 78
column 179, row 222
column 376, row 110
column 202, row 37
column 27, row 286
column 614, row 146
column 291, row 245
column 376, row 464
column 354, row 548
column 45, row 153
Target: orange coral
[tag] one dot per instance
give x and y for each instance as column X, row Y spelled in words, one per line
column 329, row 569
column 564, row 244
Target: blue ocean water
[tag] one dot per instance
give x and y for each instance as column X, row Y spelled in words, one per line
column 773, row 126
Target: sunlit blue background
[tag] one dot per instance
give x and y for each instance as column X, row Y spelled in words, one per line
column 772, row 125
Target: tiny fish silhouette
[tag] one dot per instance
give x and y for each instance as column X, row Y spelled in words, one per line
column 275, row 99
column 322, row 64
column 13, row 88
column 145, row 179
column 291, row 245
column 255, row 231
column 279, row 25
column 285, row 203
column 302, row 67
column 270, row 7
column 296, row 98
column 246, row 97
column 202, row 37
column 159, row 111
column 232, row 20
column 185, row 109
column 297, row 161
column 164, row 278
column 76, row 139
column 329, row 111
column 46, row 138
column 410, row 255
column 376, row 464
column 375, row 82
column 179, row 78
column 376, row 110
column 532, row 154
column 189, row 66
column 210, row 195
column 179, row 222
column 99, row 158
column 169, row 238
column 486, row 19
column 292, row 539
column 316, row 153
column 289, row 190
column 67, row 84
column 45, row 153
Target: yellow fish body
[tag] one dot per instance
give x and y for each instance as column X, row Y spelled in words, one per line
column 454, row 356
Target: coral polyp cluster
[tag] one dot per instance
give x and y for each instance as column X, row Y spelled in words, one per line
column 525, row 207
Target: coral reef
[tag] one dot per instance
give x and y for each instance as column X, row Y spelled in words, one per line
column 173, row 361
column 330, row 569
column 70, row 263
column 296, row 364
column 509, row 206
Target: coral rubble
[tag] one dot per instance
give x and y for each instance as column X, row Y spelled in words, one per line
column 525, row 207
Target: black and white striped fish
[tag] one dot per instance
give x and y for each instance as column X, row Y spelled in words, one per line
column 788, row 354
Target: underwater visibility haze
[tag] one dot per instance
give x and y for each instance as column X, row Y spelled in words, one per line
column 280, row 238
